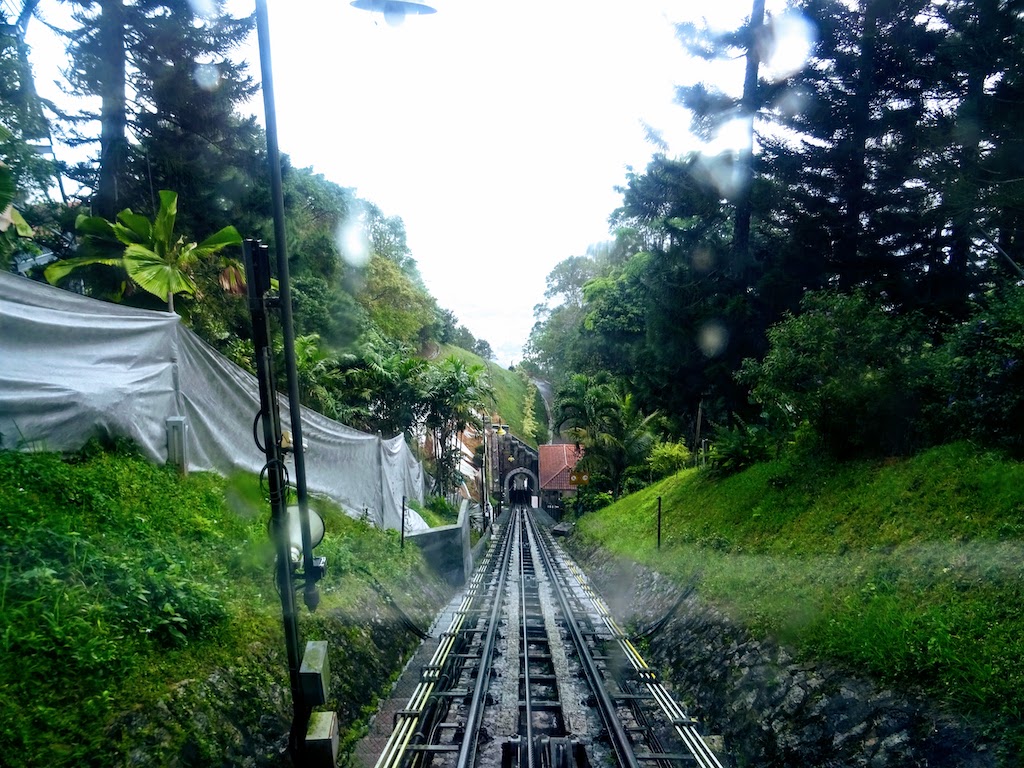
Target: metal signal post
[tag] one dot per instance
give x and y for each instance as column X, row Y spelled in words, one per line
column 257, row 274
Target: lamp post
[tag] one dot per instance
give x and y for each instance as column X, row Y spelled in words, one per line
column 283, row 520
column 500, row 430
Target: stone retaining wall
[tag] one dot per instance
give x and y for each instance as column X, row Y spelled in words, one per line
column 770, row 708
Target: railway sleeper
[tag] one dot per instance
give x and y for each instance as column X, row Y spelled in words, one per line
column 671, row 757
column 548, row 752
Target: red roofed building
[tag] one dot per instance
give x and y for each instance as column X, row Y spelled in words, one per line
column 556, row 463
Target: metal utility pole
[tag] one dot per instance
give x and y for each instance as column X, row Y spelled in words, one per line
column 284, row 291
column 257, row 274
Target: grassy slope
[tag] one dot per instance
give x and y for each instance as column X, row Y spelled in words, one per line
column 509, row 393
column 910, row 570
column 121, row 582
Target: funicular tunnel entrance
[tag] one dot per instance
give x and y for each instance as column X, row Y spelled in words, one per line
column 522, row 488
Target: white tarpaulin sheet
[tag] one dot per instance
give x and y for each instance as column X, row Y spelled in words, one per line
column 73, row 368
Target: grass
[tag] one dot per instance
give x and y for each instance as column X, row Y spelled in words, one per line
column 119, row 580
column 910, row 570
column 437, row 512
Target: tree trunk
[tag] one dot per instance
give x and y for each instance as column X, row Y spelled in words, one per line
column 748, row 109
column 860, row 123
column 113, row 121
column 970, row 130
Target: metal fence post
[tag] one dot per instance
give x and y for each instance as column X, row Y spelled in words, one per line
column 659, row 522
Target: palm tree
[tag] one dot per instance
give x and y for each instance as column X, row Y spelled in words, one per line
column 586, row 404
column 400, row 384
column 455, row 392
column 625, row 444
column 148, row 252
column 615, row 435
column 319, row 378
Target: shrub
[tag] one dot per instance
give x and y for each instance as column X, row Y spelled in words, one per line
column 442, row 510
column 854, row 371
column 667, row 459
column 739, row 446
column 985, row 367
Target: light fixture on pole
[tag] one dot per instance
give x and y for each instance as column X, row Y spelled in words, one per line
column 293, row 526
column 297, row 530
column 394, row 11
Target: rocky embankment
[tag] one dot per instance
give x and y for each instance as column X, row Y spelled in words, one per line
column 771, row 709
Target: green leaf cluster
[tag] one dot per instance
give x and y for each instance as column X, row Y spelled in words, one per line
column 150, row 253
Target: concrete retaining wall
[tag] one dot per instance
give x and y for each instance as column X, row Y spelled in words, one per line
column 447, row 550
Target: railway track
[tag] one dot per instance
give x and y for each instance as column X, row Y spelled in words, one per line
column 533, row 672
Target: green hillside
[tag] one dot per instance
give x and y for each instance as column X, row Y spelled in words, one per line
column 911, row 570
column 510, row 395
column 139, row 617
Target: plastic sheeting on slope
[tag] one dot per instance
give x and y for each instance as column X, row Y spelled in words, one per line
column 72, row 368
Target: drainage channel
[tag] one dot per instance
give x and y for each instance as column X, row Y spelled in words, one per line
column 533, row 672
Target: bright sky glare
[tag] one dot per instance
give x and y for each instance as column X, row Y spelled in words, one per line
column 496, row 131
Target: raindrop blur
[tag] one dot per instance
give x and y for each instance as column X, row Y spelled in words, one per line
column 792, row 101
column 703, row 260
column 207, row 76
column 205, row 9
column 353, row 244
column 712, row 338
column 733, row 136
column 721, row 172
column 791, row 38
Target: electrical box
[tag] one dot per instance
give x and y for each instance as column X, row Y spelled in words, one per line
column 321, row 748
column 314, row 674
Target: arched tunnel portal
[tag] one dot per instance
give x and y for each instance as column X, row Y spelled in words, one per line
column 521, row 485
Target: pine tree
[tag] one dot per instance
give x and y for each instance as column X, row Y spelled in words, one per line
column 178, row 130
column 187, row 92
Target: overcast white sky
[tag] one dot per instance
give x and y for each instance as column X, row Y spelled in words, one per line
column 496, row 131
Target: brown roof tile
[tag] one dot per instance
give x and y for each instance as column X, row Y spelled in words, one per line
column 556, row 462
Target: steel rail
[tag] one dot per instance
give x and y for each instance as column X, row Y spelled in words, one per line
column 685, row 726
column 467, row 750
column 616, row 731
column 409, row 718
column 524, row 547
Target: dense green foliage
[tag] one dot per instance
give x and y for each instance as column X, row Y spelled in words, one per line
column 120, row 580
column 856, row 374
column 908, row 570
column 883, row 170
column 861, row 380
